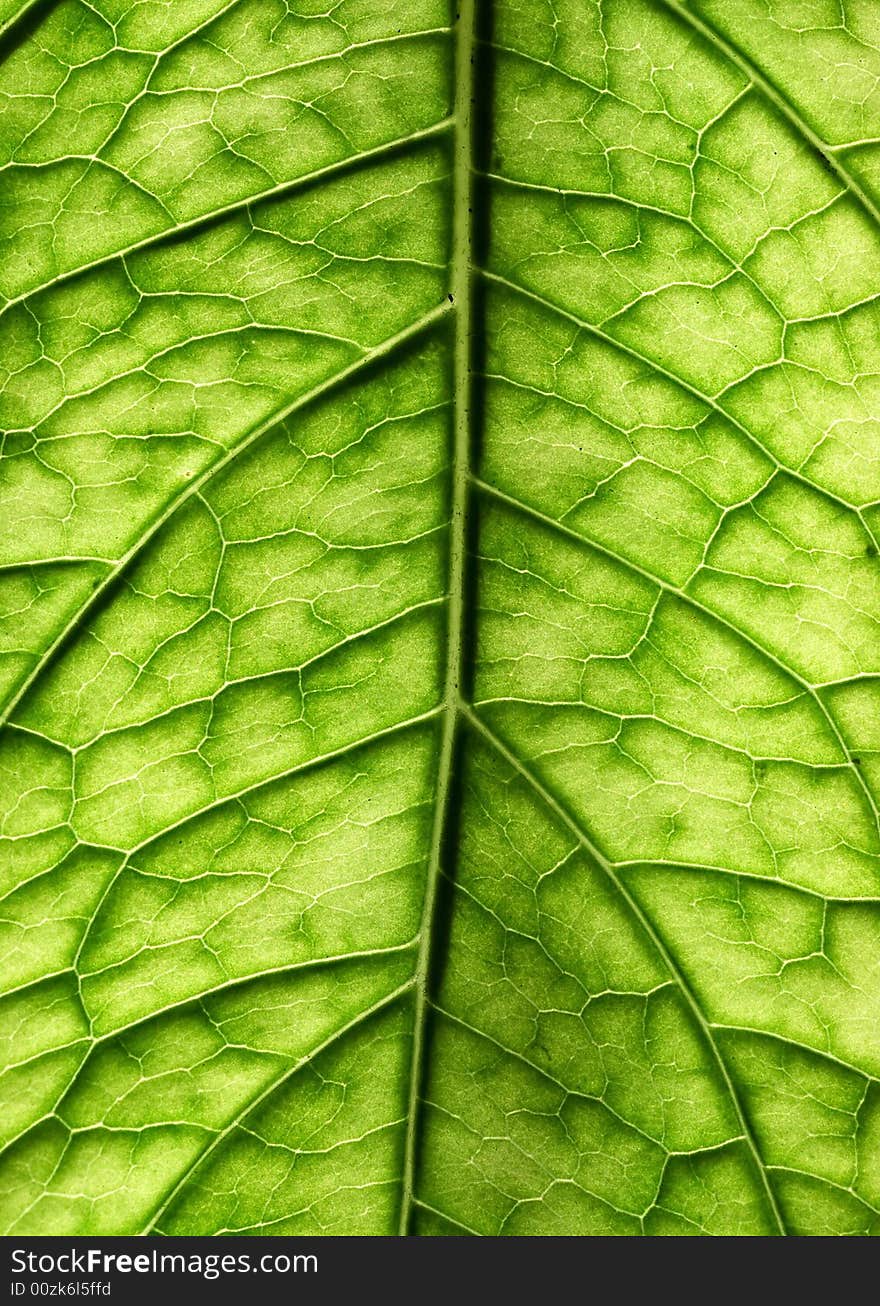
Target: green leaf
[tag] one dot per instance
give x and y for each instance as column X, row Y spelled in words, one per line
column 439, row 607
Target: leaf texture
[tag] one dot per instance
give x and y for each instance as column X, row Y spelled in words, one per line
column 439, row 605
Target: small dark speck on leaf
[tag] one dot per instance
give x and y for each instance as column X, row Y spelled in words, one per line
column 871, row 550
column 856, row 761
column 451, row 298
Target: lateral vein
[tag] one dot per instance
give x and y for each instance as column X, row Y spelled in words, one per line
column 198, row 483
column 573, row 826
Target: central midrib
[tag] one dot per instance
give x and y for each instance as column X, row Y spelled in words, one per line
column 454, row 706
column 461, row 292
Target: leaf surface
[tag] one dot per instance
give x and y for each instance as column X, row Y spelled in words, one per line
column 439, row 605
